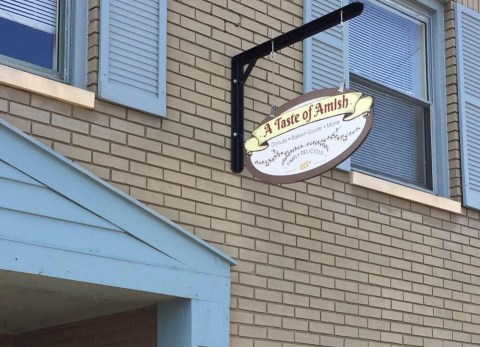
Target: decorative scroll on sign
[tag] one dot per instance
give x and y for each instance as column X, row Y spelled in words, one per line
column 309, row 135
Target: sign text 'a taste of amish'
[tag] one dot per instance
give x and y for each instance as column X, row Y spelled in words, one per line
column 309, row 135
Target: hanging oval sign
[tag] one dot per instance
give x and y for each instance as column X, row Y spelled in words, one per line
column 309, row 135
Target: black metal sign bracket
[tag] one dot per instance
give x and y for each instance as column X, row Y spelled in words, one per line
column 240, row 74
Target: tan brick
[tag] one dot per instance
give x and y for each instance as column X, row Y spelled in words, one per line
column 91, row 143
column 108, row 134
column 341, row 330
column 268, row 320
column 127, row 152
column 51, row 105
column 91, row 116
column 195, row 219
column 110, row 161
column 50, row 132
column 252, row 305
column 29, row 112
column 240, row 241
column 74, row 153
column 144, row 144
column 280, row 335
column 70, row 123
column 20, row 123
column 130, row 179
column 332, row 341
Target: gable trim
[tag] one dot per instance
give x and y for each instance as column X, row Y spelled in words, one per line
column 77, row 184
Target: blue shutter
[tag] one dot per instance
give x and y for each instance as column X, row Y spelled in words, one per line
column 468, row 58
column 133, row 54
column 324, row 64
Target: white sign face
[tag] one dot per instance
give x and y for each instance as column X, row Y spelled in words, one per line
column 309, row 135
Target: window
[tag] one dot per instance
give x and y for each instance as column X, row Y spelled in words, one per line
column 393, row 51
column 49, row 38
column 33, row 35
column 388, row 59
column 45, row 37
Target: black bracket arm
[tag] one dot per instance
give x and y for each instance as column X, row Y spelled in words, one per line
column 240, row 74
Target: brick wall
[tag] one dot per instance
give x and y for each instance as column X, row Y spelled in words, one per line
column 452, row 105
column 321, row 262
column 135, row 328
column 7, row 340
column 93, row 44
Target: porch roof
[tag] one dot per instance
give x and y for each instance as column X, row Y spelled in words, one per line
column 61, row 222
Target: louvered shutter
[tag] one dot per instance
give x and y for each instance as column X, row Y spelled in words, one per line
column 133, row 54
column 324, row 64
column 38, row 14
column 468, row 59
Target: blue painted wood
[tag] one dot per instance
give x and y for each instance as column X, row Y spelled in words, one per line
column 175, row 324
column 441, row 182
column 51, row 262
column 79, row 48
column 10, row 173
column 42, row 201
column 210, row 323
column 133, row 54
column 79, row 185
column 152, row 255
column 468, row 53
column 325, row 56
column 201, row 323
column 80, row 238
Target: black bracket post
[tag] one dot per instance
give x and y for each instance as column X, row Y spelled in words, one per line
column 240, row 74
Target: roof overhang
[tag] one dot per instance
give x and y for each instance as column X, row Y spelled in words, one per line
column 73, row 237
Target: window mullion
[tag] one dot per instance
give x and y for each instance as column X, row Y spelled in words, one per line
column 387, row 89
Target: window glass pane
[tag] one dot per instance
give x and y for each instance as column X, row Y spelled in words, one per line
column 388, row 46
column 397, row 144
column 29, row 31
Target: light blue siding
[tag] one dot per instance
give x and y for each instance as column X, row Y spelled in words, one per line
column 9, row 172
column 59, row 220
column 34, row 259
column 133, row 54
column 39, row 200
column 79, row 238
column 84, row 189
column 468, row 55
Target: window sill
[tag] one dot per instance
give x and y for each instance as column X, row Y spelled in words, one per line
column 40, row 85
column 397, row 190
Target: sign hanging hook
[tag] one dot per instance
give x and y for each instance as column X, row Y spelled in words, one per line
column 342, row 27
column 272, row 55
